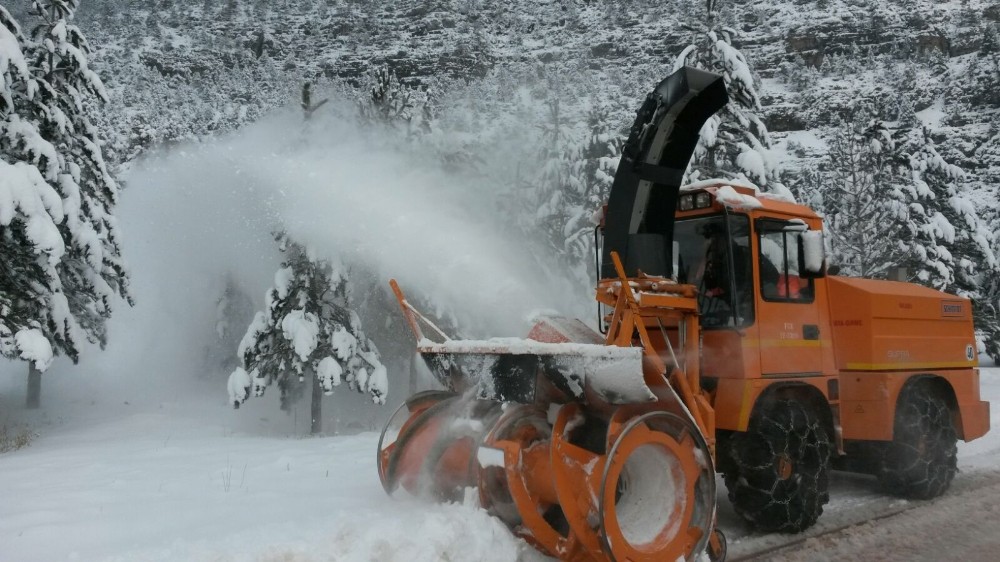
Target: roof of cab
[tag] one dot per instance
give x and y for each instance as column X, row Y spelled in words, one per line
column 767, row 201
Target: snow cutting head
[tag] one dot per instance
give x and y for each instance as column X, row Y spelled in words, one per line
column 589, row 447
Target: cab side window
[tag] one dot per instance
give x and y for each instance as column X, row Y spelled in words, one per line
column 779, row 267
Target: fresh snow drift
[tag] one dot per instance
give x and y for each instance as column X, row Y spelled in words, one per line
column 173, row 481
column 170, row 484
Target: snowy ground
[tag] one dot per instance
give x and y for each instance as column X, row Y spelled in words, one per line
column 104, row 481
column 110, row 480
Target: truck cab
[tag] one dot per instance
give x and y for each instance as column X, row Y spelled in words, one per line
column 764, row 314
column 769, row 319
column 858, row 373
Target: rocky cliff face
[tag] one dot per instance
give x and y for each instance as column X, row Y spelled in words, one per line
column 228, row 62
column 554, row 84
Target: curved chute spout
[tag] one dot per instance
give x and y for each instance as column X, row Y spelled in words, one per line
column 639, row 223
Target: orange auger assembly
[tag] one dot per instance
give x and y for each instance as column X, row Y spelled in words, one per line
column 591, row 448
column 584, row 449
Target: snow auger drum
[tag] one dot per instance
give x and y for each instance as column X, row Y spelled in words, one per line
column 590, row 448
column 567, row 443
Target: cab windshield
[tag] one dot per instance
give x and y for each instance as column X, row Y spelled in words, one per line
column 717, row 261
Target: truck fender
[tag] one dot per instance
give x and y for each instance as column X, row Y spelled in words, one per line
column 808, row 395
column 940, row 387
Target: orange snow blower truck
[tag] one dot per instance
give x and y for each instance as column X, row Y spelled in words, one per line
column 727, row 347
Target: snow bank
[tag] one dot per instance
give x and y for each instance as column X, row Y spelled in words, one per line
column 403, row 533
column 176, row 484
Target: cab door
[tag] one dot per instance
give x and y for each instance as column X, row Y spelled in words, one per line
column 788, row 317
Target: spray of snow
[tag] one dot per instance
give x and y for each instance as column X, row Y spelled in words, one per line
column 365, row 199
column 196, row 213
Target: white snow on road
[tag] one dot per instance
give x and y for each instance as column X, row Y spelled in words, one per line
column 176, row 481
column 166, row 485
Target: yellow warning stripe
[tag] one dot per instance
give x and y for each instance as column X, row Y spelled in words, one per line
column 908, row 366
column 792, row 343
column 743, row 420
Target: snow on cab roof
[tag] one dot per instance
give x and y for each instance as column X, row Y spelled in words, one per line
column 743, row 195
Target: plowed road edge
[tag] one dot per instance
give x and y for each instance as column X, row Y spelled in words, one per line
column 963, row 524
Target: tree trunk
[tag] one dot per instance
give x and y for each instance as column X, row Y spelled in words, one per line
column 316, row 409
column 34, row 387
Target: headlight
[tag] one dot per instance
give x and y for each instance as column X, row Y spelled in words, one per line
column 687, row 202
column 702, row 200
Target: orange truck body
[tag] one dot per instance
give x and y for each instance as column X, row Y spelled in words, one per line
column 856, row 343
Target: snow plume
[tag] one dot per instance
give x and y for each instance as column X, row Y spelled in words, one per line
column 368, row 198
column 183, row 230
column 195, row 214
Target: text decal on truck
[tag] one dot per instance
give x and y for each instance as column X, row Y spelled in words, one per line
column 951, row 308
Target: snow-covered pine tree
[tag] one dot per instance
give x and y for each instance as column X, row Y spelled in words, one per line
column 600, row 156
column 558, row 174
column 307, row 330
column 30, row 210
column 230, row 10
column 988, row 154
column 987, row 310
column 579, row 160
column 233, row 312
column 92, row 272
column 387, row 101
column 47, row 135
column 948, row 244
column 981, row 76
column 734, row 141
column 864, row 217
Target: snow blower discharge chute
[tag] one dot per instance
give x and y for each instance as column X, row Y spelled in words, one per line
column 728, row 347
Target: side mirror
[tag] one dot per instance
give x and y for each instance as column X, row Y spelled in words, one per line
column 812, row 255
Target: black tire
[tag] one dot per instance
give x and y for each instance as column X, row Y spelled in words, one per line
column 778, row 471
column 920, row 461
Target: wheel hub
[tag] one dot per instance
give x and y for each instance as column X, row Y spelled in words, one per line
column 785, row 467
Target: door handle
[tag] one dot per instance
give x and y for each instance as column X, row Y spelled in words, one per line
column 810, row 332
